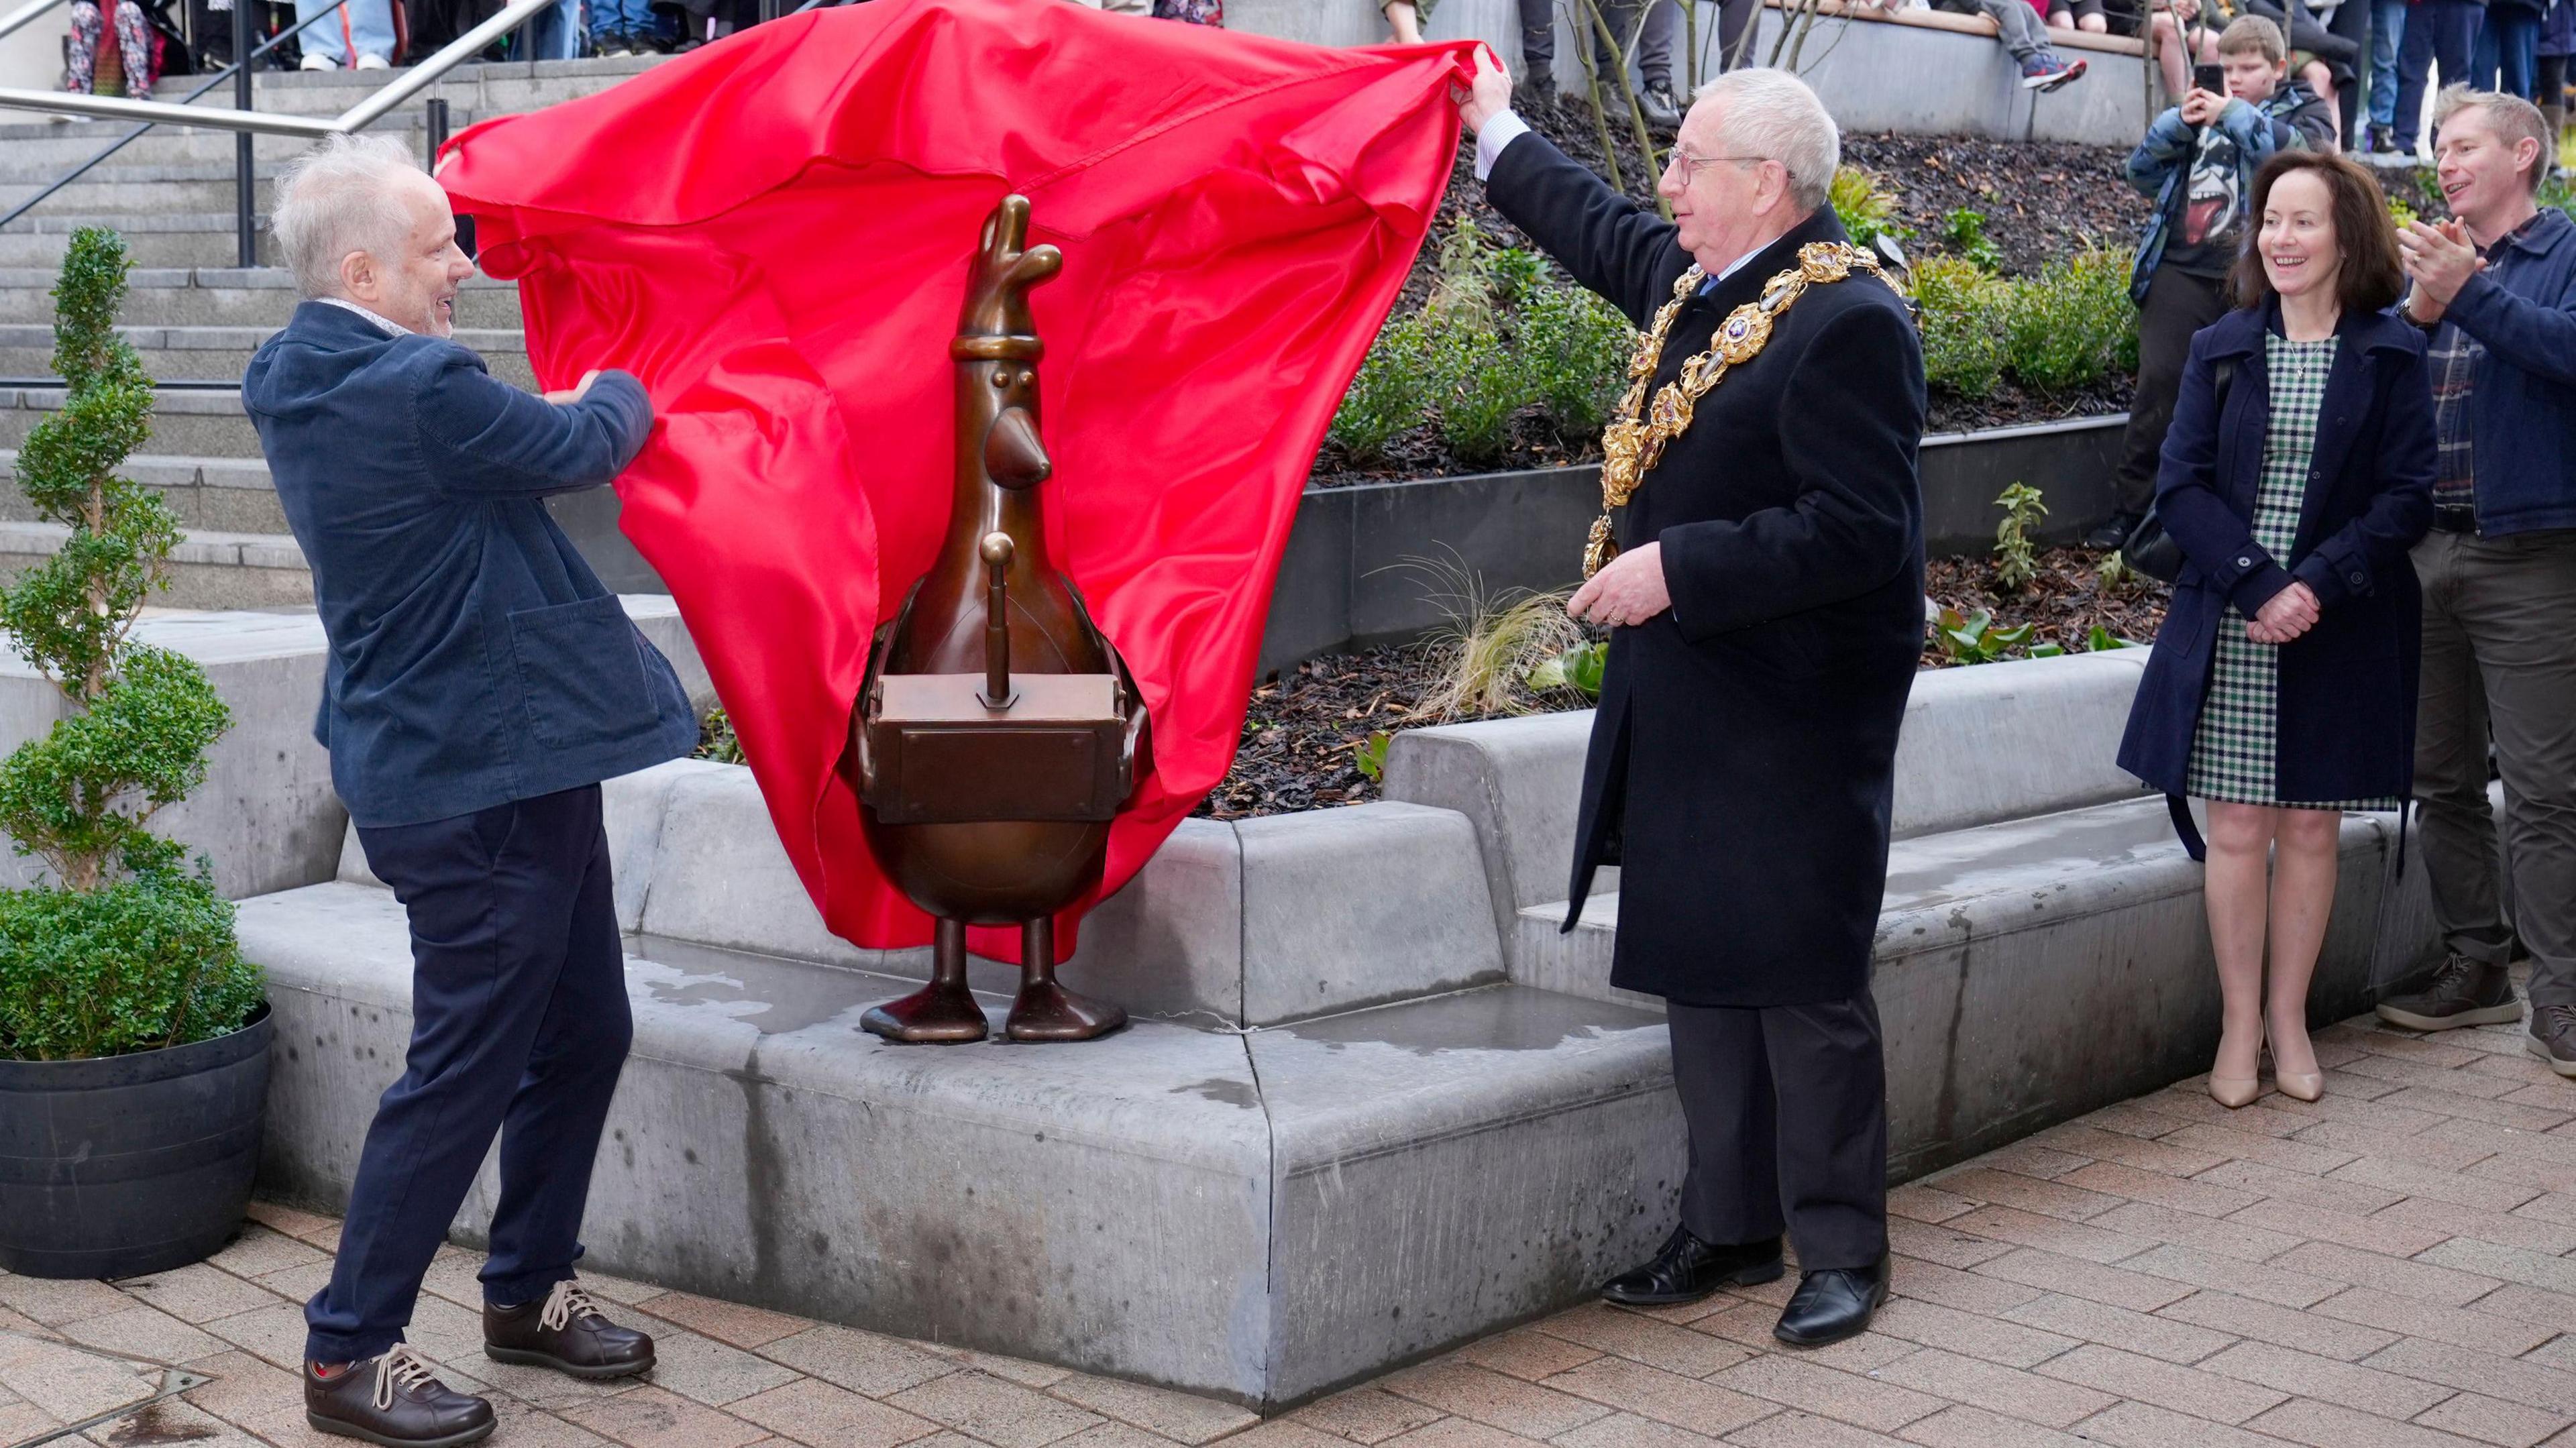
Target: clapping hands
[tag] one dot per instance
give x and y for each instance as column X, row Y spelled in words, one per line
column 2290, row 613
column 2439, row 258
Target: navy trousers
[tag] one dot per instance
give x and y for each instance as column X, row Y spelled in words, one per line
column 519, row 1025
column 2438, row 32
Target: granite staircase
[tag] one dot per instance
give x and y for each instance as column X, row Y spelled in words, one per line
column 196, row 316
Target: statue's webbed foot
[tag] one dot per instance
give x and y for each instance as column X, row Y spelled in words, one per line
column 936, row 1014
column 1046, row 1011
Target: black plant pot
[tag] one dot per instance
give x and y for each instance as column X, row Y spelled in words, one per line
column 126, row 1165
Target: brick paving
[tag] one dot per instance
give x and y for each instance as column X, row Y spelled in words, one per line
column 2391, row 1267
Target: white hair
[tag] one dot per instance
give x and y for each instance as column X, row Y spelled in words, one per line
column 335, row 199
column 1772, row 114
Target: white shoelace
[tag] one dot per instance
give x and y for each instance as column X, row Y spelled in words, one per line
column 566, row 1302
column 402, row 1366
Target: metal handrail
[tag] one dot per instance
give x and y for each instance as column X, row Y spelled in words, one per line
column 245, row 122
column 358, row 117
column 121, row 142
column 18, row 19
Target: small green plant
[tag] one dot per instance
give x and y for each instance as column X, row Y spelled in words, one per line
column 2101, row 640
column 716, row 739
column 1389, row 395
column 2016, row 541
column 2073, row 323
column 1866, row 209
column 1963, row 325
column 121, row 948
column 1478, row 387
column 1475, row 272
column 2113, row 574
column 1578, row 669
column 1369, row 755
column 1577, row 347
column 1963, row 231
column 1975, row 638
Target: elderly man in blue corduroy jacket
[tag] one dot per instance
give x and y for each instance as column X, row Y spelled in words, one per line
column 481, row 683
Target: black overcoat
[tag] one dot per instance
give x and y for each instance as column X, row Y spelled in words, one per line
column 1742, row 760
column 2345, row 711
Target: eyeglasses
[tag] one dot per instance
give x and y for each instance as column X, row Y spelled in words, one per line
column 1688, row 164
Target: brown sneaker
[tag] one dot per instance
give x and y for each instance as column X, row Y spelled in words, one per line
column 567, row 1333
column 396, row 1400
column 2553, row 1038
column 2464, row 992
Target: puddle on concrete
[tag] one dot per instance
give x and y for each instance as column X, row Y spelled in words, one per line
column 1489, row 1018
column 772, row 994
column 2080, row 843
column 1223, row 1091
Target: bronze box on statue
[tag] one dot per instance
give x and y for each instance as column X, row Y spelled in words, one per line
column 942, row 757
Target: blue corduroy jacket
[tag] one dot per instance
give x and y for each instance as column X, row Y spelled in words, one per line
column 475, row 658
column 2522, row 393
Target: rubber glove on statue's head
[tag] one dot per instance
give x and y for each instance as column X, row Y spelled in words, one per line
column 1755, row 158
column 358, row 220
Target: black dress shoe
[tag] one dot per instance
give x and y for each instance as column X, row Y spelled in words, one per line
column 1831, row 1304
column 2113, row 531
column 1687, row 1269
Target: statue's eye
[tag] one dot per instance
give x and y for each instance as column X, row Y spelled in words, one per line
column 1002, row 377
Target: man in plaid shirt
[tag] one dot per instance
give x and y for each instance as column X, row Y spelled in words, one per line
column 2497, row 288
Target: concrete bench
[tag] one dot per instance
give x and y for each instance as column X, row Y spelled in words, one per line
column 1338, row 1139
column 2042, row 947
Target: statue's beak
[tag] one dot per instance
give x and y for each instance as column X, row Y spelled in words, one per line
column 1013, row 455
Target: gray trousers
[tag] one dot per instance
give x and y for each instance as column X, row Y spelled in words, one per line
column 2500, row 658
column 2016, row 24
column 1655, row 46
column 1787, row 1107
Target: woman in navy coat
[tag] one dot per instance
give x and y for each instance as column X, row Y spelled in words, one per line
column 2298, row 473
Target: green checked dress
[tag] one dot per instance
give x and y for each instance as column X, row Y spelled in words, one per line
column 2234, row 749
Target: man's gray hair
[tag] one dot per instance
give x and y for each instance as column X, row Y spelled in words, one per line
column 2513, row 118
column 333, row 200
column 1772, row 114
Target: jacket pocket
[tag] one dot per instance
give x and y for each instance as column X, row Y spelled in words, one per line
column 580, row 672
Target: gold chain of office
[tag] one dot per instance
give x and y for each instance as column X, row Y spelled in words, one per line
column 1637, row 435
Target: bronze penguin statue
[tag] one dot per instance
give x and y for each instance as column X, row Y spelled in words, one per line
column 997, row 733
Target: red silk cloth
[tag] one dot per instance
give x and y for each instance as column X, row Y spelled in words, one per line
column 774, row 234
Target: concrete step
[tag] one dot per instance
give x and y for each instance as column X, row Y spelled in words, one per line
column 222, row 495
column 226, row 297
column 206, row 353
column 45, row 151
column 39, row 241
column 207, row 569
column 192, row 424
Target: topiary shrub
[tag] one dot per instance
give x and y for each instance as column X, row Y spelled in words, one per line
column 1577, row 346
column 121, row 948
column 1478, row 385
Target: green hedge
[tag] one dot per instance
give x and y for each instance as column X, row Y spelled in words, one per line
column 1504, row 336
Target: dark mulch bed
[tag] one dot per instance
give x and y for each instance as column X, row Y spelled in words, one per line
column 1304, row 732
column 2066, row 600
column 2041, row 200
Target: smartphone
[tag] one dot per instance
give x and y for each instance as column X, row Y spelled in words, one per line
column 2211, row 78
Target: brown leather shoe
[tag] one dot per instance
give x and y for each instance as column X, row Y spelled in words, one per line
column 567, row 1333
column 396, row 1400
column 2463, row 992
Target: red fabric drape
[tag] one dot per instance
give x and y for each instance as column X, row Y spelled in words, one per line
column 773, row 233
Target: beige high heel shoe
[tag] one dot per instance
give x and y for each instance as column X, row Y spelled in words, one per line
column 2234, row 1092
column 2297, row 1085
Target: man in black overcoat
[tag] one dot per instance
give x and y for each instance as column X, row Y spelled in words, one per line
column 1766, row 613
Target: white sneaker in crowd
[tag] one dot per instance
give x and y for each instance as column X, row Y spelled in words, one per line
column 313, row 61
column 373, row 62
